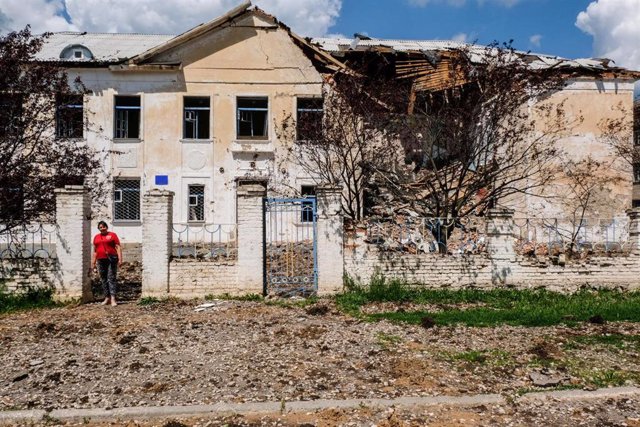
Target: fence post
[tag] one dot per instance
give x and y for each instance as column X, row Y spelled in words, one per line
column 250, row 220
column 73, row 247
column 634, row 230
column 157, row 225
column 330, row 240
column 500, row 244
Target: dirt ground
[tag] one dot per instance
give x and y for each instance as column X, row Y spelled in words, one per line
column 170, row 354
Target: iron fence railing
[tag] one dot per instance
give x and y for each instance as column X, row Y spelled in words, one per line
column 435, row 235
column 206, row 242
column 553, row 236
column 29, row 241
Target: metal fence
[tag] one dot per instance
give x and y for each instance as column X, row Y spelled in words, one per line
column 29, row 241
column 424, row 235
column 205, row 242
column 553, row 236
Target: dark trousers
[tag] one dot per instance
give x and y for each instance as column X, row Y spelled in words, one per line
column 108, row 269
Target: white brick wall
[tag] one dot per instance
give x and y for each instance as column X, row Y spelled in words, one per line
column 250, row 237
column 157, row 212
column 191, row 279
column 33, row 273
column 330, row 240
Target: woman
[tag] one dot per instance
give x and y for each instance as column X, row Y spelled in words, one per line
column 108, row 255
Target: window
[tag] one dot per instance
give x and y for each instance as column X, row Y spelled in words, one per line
column 636, row 173
column 126, row 200
column 307, row 191
column 309, row 119
column 10, row 114
column 127, row 117
column 11, row 201
column 196, row 203
column 69, row 116
column 252, row 116
column 196, row 117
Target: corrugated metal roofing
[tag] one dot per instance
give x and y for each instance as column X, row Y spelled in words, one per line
column 105, row 47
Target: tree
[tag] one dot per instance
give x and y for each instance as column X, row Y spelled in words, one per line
column 41, row 144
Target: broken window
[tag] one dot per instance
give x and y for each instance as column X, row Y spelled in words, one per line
column 127, row 117
column 309, row 119
column 196, row 203
column 69, row 116
column 197, row 111
column 126, row 199
column 252, row 116
column 11, row 201
column 307, row 213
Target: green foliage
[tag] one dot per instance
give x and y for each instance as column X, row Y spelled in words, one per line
column 25, row 299
column 619, row 341
column 144, row 301
column 387, row 341
column 494, row 307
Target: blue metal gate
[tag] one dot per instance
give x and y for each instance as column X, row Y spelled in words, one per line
column 290, row 262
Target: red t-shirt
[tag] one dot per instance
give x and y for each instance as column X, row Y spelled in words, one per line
column 105, row 245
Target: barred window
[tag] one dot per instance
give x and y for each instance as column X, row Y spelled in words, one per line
column 127, row 117
column 307, row 207
column 196, row 203
column 69, row 116
column 252, row 115
column 309, row 119
column 126, row 200
column 636, row 173
column 197, row 111
column 10, row 115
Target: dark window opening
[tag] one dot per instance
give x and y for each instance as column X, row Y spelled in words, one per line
column 309, row 119
column 307, row 191
column 197, row 111
column 10, row 115
column 127, row 117
column 11, row 202
column 196, row 203
column 636, row 174
column 252, row 116
column 126, row 200
column 69, row 116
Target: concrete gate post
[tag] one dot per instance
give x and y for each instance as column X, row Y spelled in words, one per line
column 157, row 240
column 634, row 230
column 250, row 223
column 330, row 240
column 73, row 246
column 500, row 242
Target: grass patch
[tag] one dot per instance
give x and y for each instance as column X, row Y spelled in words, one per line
column 618, row 341
column 387, row 341
column 498, row 306
column 26, row 299
column 146, row 301
column 228, row 297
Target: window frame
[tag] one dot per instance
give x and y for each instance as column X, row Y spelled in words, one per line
column 122, row 199
column 198, row 207
column 69, row 106
column 308, row 110
column 239, row 109
column 126, row 109
column 184, row 118
column 307, row 191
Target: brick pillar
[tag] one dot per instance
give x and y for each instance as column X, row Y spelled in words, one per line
column 157, row 225
column 73, row 247
column 500, row 244
column 330, row 240
column 250, row 236
column 634, row 230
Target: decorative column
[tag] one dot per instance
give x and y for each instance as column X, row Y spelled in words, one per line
column 157, row 240
column 330, row 240
column 634, row 230
column 73, row 246
column 250, row 224
column 500, row 244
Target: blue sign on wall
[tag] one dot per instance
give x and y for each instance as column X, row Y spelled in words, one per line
column 162, row 179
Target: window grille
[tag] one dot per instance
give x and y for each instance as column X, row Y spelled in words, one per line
column 10, row 114
column 69, row 116
column 252, row 115
column 127, row 117
column 196, row 203
column 126, row 200
column 197, row 111
column 636, row 173
column 309, row 118
column 306, row 213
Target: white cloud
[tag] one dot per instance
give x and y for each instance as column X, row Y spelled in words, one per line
column 460, row 37
column 460, row 3
column 535, row 40
column 615, row 27
column 306, row 17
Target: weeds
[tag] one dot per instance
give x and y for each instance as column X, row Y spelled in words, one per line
column 145, row 301
column 26, row 299
column 387, row 341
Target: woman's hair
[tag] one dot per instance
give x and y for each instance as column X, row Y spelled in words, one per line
column 103, row 223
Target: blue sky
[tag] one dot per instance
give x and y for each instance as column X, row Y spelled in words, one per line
column 553, row 20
